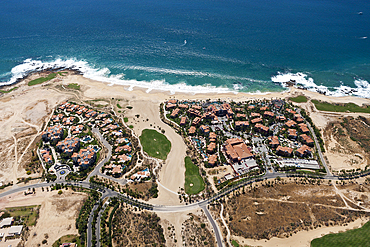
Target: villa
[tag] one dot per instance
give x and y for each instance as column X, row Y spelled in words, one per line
column 284, row 151
column 237, row 150
column 53, row 133
column 85, row 157
column 69, row 145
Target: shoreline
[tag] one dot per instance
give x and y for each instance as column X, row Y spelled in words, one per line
column 161, row 95
column 132, row 85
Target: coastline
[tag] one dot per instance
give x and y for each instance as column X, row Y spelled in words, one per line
column 23, row 100
column 286, row 81
column 98, row 87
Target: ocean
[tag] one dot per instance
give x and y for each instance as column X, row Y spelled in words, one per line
column 200, row 46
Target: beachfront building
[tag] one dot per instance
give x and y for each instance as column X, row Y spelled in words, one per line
column 284, row 151
column 274, row 124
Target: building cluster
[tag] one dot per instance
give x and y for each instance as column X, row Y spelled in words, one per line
column 219, row 129
column 141, row 175
column 64, row 133
column 53, row 133
column 13, row 231
column 121, row 156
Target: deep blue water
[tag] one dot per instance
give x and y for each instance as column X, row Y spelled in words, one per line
column 231, row 43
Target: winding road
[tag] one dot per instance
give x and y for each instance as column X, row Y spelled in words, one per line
column 156, row 208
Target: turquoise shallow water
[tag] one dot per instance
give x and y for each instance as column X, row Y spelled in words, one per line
column 181, row 45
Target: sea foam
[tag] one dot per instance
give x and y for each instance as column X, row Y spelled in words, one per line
column 303, row 80
column 104, row 75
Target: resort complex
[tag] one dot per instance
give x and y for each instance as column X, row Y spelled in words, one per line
column 250, row 136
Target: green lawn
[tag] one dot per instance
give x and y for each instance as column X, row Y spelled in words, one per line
column 42, row 79
column 351, row 238
column 351, row 107
column 74, row 86
column 193, row 181
column 8, row 91
column 27, row 213
column 234, row 243
column 125, row 119
column 68, row 239
column 299, row 99
column 155, row 144
column 118, row 105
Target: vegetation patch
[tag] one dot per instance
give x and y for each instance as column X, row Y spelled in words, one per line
column 196, row 233
column 141, row 190
column 349, row 107
column 42, row 79
column 234, row 243
column 125, row 119
column 67, row 239
column 8, row 91
column 26, row 215
column 74, row 86
column 118, row 105
column 299, row 99
column 280, row 208
column 356, row 129
column 155, row 144
column 83, row 217
column 193, row 181
column 355, row 237
column 137, row 229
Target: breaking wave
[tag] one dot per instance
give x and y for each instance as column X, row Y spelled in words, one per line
column 28, row 66
column 104, row 75
column 303, row 80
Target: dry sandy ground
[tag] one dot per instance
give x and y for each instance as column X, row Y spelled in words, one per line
column 337, row 156
column 58, row 213
column 302, row 238
column 176, row 219
column 22, row 115
column 25, row 108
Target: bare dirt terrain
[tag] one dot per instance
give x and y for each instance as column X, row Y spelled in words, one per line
column 136, row 228
column 346, row 135
column 57, row 216
column 22, row 116
column 280, row 210
column 23, row 113
column 197, row 231
column 347, row 142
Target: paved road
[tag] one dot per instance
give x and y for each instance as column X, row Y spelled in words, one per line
column 328, row 173
column 97, row 232
column 214, row 225
column 89, row 226
column 158, row 208
column 317, row 144
column 96, row 171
